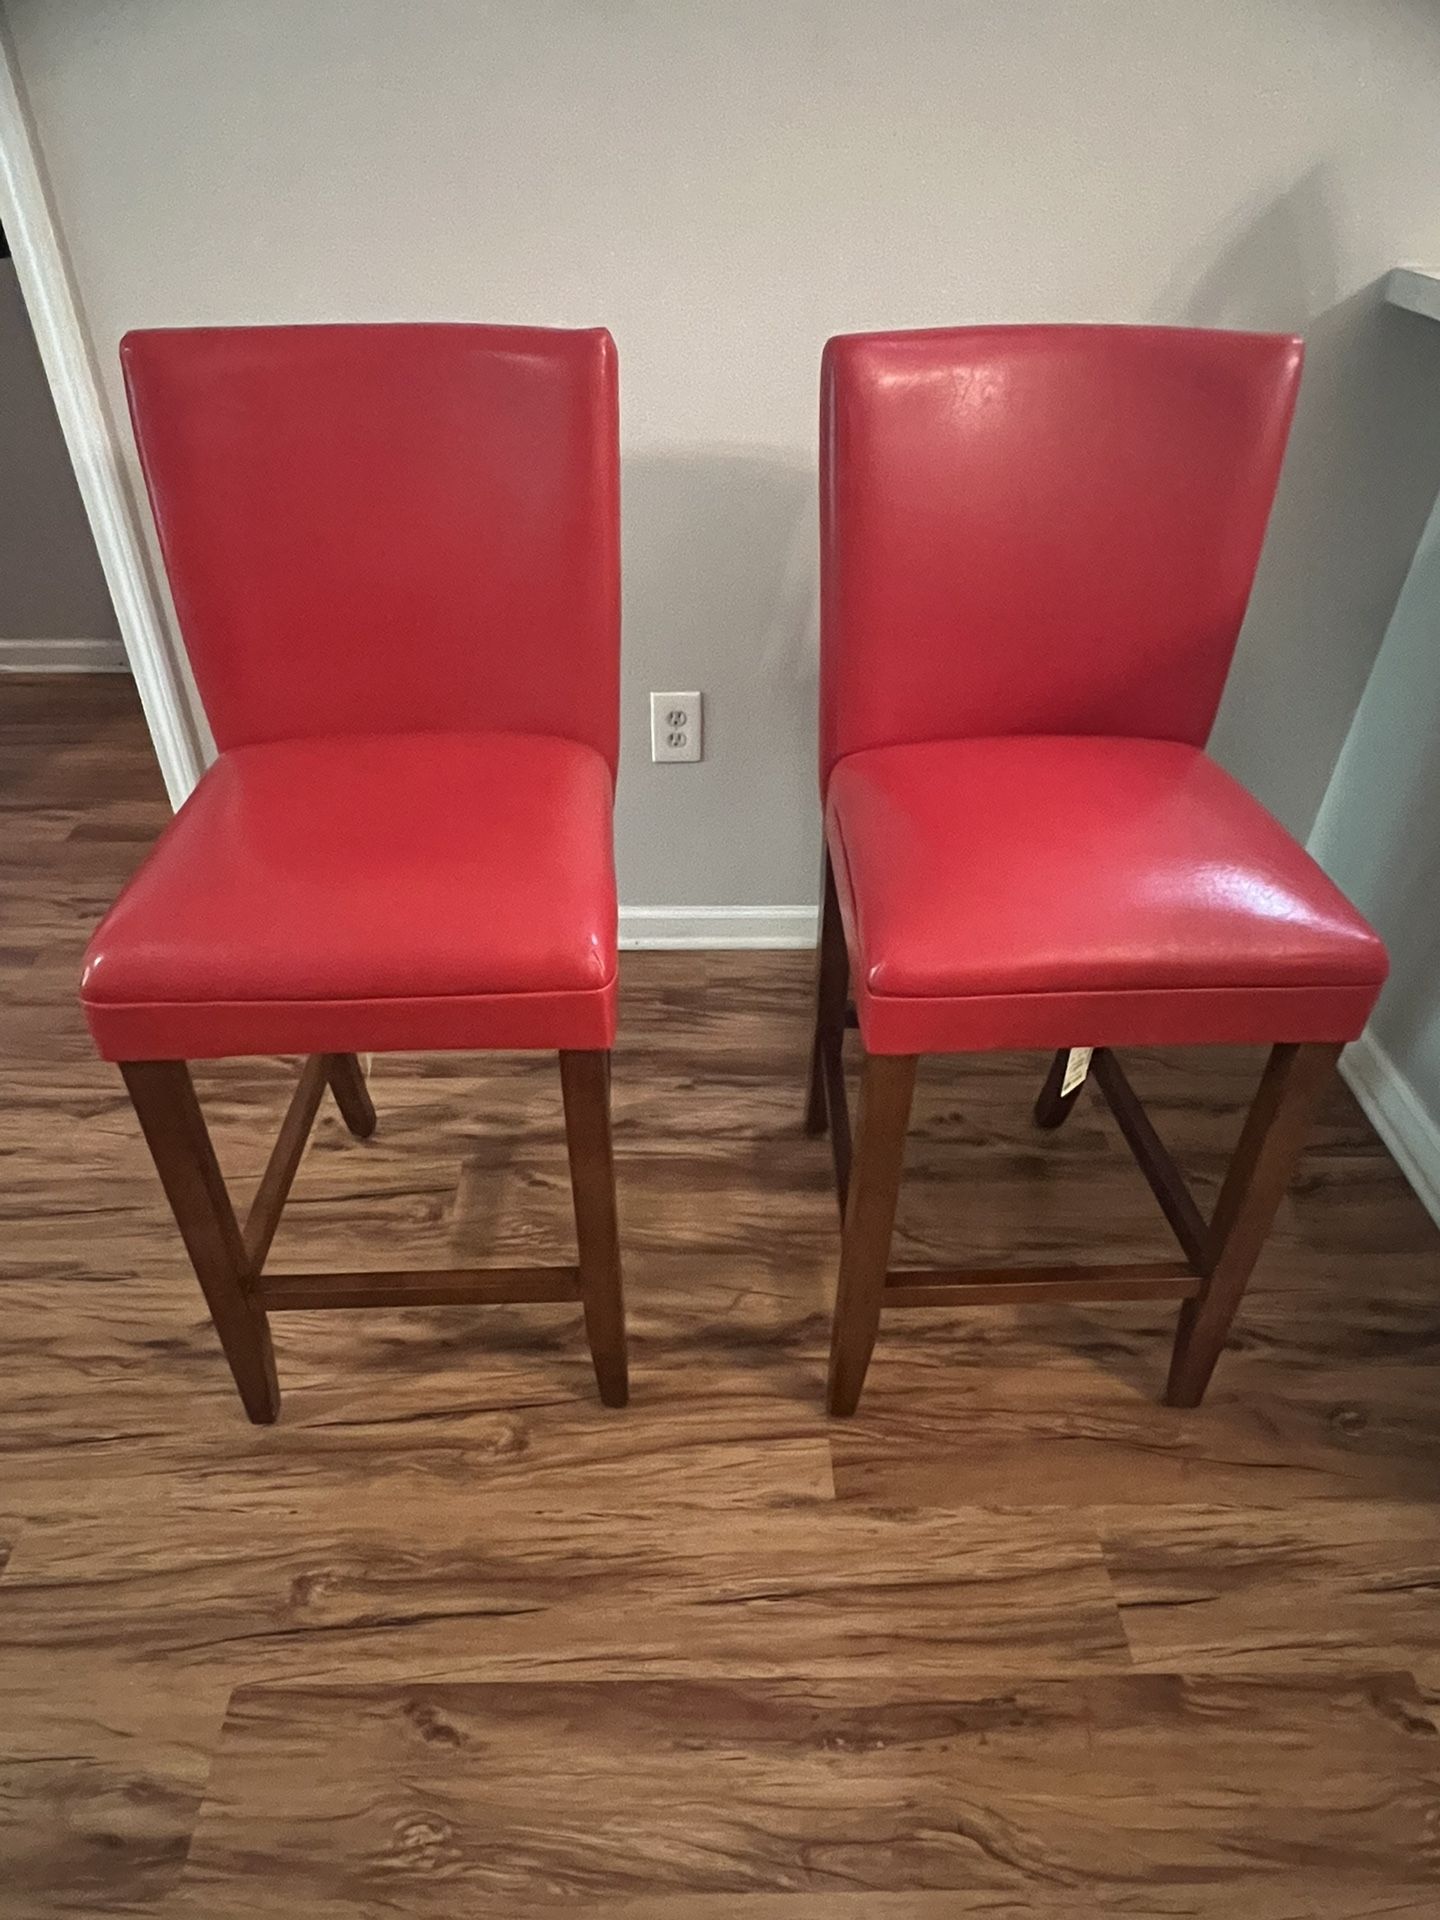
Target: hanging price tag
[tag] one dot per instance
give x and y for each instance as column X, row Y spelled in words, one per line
column 1077, row 1065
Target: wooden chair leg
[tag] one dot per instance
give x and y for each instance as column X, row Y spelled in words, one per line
column 352, row 1096
column 1052, row 1108
column 885, row 1094
column 174, row 1127
column 832, row 982
column 1294, row 1081
column 585, row 1087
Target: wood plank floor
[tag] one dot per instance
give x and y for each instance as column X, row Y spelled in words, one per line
column 452, row 1639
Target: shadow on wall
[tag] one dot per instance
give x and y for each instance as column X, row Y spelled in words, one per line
column 1408, row 1018
column 1379, row 830
column 720, row 596
column 1361, row 474
column 51, row 585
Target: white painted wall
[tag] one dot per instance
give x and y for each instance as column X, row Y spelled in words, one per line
column 724, row 185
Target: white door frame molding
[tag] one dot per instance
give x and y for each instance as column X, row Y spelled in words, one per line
column 43, row 272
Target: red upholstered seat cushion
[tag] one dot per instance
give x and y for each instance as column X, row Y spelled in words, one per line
column 371, row 892
column 1049, row 891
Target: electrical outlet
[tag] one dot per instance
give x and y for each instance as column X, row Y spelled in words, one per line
column 675, row 723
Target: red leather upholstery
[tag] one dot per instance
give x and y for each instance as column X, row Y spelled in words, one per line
column 388, row 528
column 1062, row 891
column 1041, row 529
column 1037, row 547
column 394, row 552
column 370, row 892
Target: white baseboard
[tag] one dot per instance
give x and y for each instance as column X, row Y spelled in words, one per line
column 62, row 656
column 1398, row 1115
column 698, row 927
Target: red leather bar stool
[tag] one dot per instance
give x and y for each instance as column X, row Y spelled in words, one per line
column 1037, row 548
column 394, row 553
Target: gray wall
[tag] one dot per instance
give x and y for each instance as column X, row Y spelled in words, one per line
column 51, row 586
column 724, row 185
column 1378, row 831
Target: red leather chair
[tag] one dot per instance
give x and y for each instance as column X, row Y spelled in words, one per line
column 1037, row 548
column 394, row 552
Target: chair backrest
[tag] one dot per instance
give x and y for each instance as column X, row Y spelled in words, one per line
column 382, row 529
column 1041, row 529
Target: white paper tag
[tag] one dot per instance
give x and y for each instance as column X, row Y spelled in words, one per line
column 1077, row 1065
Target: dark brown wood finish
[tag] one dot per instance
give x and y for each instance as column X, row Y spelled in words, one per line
column 1153, row 1159
column 163, row 1096
column 1276, row 1127
column 832, row 980
column 232, row 1276
column 585, row 1083
column 347, row 1082
column 1023, row 1286
column 418, row 1287
column 1219, row 1258
column 1052, row 1107
column 885, row 1091
column 284, row 1163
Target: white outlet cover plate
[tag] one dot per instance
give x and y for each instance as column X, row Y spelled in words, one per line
column 676, row 726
